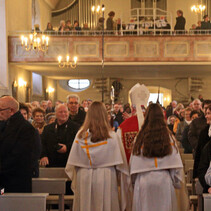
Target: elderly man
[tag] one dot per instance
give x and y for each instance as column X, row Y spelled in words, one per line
column 197, row 106
column 77, row 115
column 16, row 145
column 44, row 104
column 57, row 139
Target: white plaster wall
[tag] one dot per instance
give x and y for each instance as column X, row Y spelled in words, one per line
column 45, row 14
column 185, row 6
column 18, row 15
column 3, row 47
column 89, row 93
column 120, row 7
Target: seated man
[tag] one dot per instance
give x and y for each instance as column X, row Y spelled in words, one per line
column 57, row 139
column 76, row 115
column 16, row 146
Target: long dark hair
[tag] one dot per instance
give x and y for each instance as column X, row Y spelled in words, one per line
column 154, row 137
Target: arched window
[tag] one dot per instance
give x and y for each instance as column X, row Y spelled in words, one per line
column 79, row 84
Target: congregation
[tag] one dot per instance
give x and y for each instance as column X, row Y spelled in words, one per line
column 90, row 138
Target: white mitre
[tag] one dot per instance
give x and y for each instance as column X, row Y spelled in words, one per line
column 139, row 95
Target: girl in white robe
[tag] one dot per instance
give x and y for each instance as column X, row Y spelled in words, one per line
column 155, row 165
column 95, row 157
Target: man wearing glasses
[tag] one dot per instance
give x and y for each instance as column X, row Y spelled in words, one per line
column 16, row 144
column 77, row 115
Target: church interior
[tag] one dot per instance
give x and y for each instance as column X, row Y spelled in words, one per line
column 50, row 49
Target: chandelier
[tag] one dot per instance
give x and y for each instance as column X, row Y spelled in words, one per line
column 198, row 8
column 67, row 63
column 98, row 8
column 35, row 42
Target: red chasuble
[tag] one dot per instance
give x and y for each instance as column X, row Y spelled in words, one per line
column 129, row 130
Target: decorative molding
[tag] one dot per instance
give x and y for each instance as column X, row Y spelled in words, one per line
column 117, row 49
column 58, row 48
column 176, row 49
column 146, row 49
column 20, row 52
column 86, row 49
column 203, row 49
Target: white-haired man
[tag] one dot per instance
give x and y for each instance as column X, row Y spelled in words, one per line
column 77, row 115
column 16, row 146
column 57, row 139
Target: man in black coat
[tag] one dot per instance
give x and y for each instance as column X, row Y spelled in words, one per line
column 57, row 139
column 204, row 165
column 16, row 144
column 203, row 140
column 180, row 22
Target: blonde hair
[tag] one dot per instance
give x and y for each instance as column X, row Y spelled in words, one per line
column 97, row 122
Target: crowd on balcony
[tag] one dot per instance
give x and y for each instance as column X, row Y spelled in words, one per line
column 142, row 26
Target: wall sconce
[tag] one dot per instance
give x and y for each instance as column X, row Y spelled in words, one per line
column 67, row 63
column 15, row 84
column 50, row 90
column 21, row 83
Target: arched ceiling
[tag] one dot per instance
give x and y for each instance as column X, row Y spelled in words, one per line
column 52, row 3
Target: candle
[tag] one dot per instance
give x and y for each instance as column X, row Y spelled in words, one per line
column 68, row 59
column 75, row 59
column 22, row 39
column 38, row 41
column 31, row 37
column 93, row 8
column 26, row 40
column 98, row 8
column 47, row 39
column 43, row 39
column 59, row 59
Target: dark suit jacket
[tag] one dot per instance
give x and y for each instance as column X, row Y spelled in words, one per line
column 16, row 144
column 51, row 136
column 204, row 165
column 180, row 23
column 203, row 140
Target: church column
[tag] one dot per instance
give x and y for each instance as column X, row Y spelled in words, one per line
column 143, row 7
column 3, row 48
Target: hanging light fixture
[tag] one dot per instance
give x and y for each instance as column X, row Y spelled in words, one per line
column 35, row 42
column 67, row 63
column 198, row 8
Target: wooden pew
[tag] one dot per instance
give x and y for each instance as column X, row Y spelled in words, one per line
column 56, row 173
column 188, row 165
column 186, row 157
column 207, row 202
column 23, row 201
column 52, row 186
column 53, row 173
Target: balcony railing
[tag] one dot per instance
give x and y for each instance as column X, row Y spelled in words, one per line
column 135, row 32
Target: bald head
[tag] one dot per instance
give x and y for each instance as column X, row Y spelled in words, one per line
column 62, row 113
column 8, row 107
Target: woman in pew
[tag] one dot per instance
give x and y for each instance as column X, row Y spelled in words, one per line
column 155, row 165
column 95, row 158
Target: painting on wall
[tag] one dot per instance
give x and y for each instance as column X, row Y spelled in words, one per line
column 37, row 87
column 15, row 90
